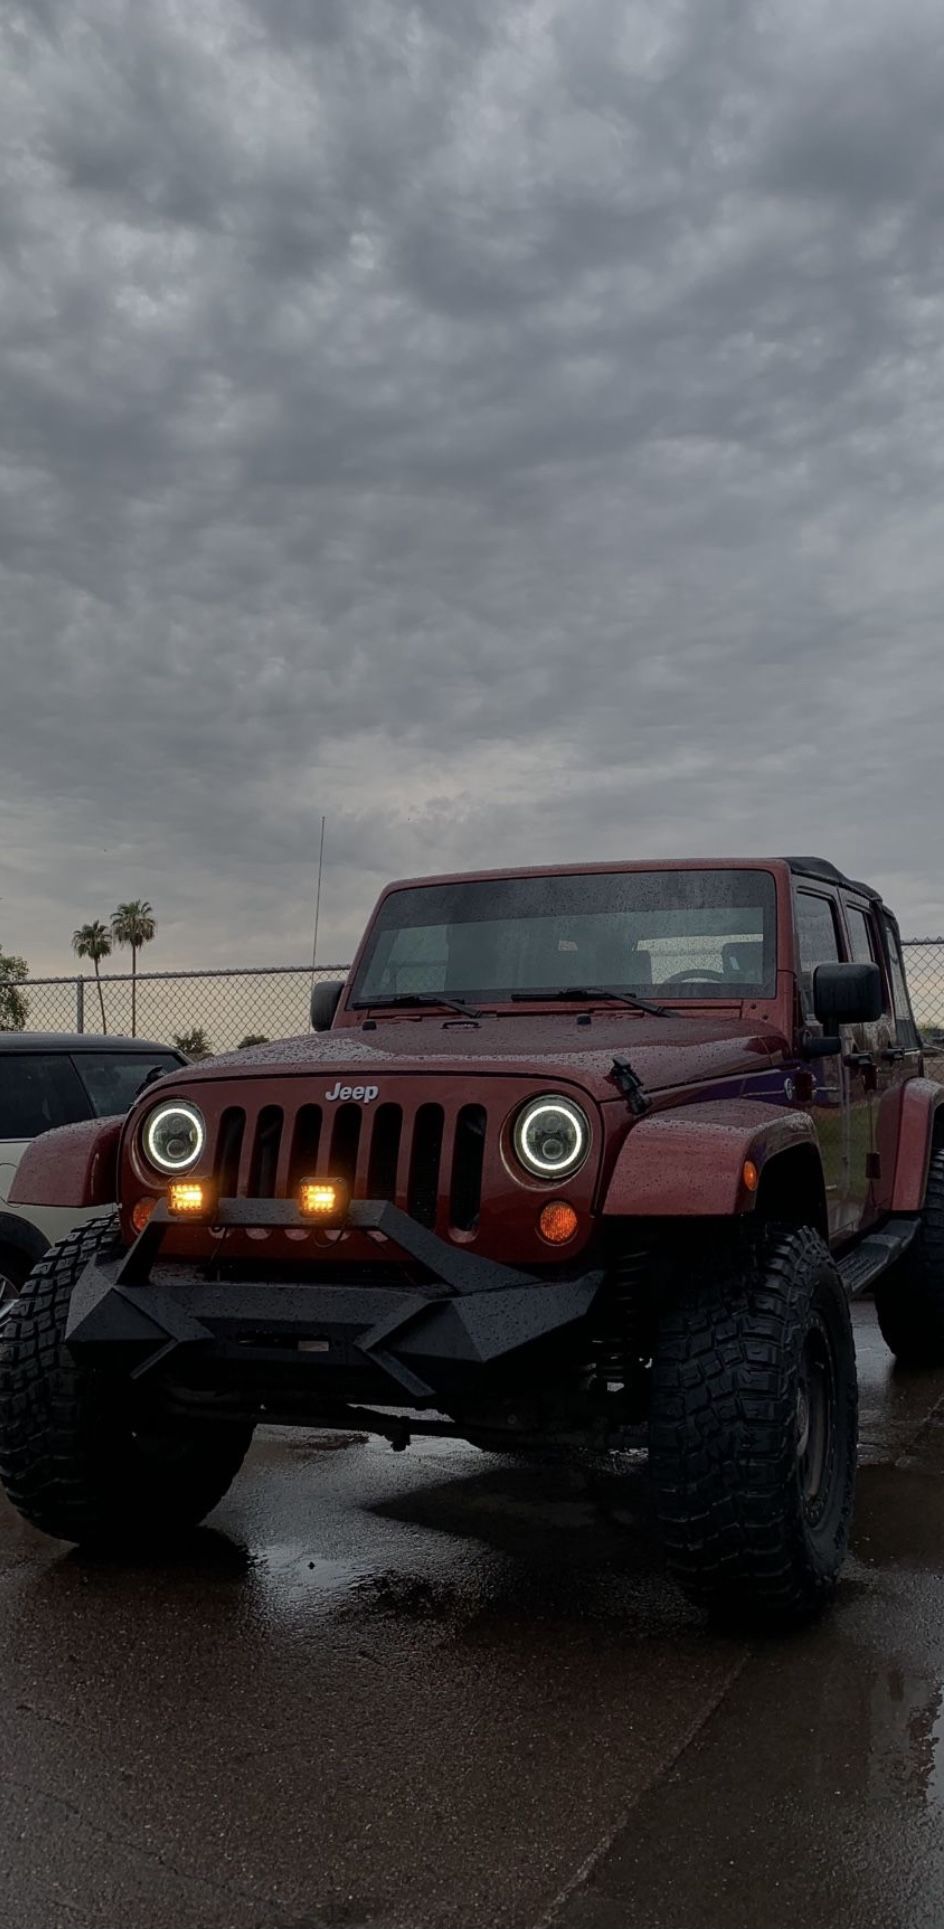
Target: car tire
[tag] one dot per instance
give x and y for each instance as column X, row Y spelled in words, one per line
column 753, row 1426
column 909, row 1298
column 75, row 1459
column 14, row 1270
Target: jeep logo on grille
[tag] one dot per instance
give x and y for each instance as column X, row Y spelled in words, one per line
column 365, row 1092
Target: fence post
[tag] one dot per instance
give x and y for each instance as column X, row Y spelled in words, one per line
column 80, row 1004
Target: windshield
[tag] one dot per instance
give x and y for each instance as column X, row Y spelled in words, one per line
column 680, row 934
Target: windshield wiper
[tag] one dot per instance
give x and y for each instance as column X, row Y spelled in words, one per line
column 592, row 992
column 406, row 998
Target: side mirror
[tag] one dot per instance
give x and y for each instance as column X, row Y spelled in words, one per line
column 847, row 994
column 325, row 999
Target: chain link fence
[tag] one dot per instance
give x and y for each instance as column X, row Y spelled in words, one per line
column 215, row 1011
column 924, row 965
column 201, row 1011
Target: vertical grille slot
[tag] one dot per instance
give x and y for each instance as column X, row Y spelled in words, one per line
column 424, row 1164
column 306, row 1140
column 384, row 1152
column 467, row 1161
column 345, row 1140
column 265, row 1153
column 229, row 1147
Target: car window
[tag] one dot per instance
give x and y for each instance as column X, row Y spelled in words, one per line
column 817, row 938
column 39, row 1090
column 114, row 1079
column 690, row 934
column 860, row 935
column 905, row 1028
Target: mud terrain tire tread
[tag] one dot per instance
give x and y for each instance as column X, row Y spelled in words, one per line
column 909, row 1298
column 723, row 1429
column 70, row 1461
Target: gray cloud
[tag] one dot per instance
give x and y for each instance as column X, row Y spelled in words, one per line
column 511, row 429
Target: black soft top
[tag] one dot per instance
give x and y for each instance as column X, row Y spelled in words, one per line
column 821, row 868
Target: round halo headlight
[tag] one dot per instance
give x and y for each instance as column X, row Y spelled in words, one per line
column 174, row 1136
column 551, row 1136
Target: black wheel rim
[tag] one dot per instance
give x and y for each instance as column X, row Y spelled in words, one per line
column 9, row 1290
column 816, row 1422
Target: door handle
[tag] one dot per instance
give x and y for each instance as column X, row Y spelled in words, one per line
column 893, row 1052
column 858, row 1061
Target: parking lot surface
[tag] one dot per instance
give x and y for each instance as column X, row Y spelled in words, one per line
column 441, row 1689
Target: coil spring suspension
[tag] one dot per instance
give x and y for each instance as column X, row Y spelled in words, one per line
column 622, row 1342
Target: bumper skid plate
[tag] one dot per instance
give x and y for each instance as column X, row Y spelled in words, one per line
column 473, row 1312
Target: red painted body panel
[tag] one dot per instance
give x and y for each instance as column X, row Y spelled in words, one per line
column 688, row 1162
column 74, row 1166
column 666, row 1053
column 922, row 1099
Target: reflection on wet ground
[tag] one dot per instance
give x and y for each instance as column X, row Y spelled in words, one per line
column 443, row 1689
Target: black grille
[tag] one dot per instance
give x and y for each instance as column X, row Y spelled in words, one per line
column 229, row 1149
column 390, row 1153
column 387, row 1132
column 467, row 1161
column 423, row 1192
column 306, row 1139
column 266, row 1144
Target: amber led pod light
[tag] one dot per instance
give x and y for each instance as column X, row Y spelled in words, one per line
column 189, row 1199
column 322, row 1199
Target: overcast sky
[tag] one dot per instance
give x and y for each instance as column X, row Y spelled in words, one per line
column 513, row 429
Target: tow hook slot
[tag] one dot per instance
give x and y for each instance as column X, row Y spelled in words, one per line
column 632, row 1088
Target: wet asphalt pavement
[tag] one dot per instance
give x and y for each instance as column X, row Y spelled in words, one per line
column 439, row 1691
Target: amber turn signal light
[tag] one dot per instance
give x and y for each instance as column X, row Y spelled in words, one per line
column 141, row 1212
column 188, row 1198
column 324, row 1199
column 750, row 1175
column 557, row 1222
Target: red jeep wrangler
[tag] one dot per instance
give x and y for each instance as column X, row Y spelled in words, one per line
column 583, row 1160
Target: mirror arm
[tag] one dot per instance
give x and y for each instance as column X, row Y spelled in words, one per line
column 828, row 1046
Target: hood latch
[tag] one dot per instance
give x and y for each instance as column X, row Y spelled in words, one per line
column 632, row 1088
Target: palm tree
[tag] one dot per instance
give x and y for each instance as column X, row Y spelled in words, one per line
column 94, row 941
column 134, row 924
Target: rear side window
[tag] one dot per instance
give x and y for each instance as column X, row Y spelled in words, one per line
column 860, row 935
column 37, row 1092
column 114, row 1079
column 817, row 937
column 906, row 1030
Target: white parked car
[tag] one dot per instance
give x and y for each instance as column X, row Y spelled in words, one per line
column 58, row 1078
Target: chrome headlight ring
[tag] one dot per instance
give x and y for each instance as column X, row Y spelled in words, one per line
column 173, row 1136
column 551, row 1137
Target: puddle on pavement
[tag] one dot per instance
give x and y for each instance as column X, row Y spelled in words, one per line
column 905, row 1743
column 290, row 1568
column 899, row 1518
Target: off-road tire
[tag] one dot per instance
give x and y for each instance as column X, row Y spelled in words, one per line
column 80, row 1457
column 909, row 1298
column 749, row 1328
column 13, row 1271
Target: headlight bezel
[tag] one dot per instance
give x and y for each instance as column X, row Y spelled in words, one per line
column 551, row 1172
column 172, row 1169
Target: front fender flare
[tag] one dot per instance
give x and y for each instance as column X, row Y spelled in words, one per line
column 76, row 1165
column 688, row 1161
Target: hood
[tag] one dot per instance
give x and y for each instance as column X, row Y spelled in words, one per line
column 663, row 1052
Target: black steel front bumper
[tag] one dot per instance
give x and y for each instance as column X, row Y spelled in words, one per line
column 469, row 1312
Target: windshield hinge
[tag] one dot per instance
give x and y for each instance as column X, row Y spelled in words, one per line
column 631, row 1087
